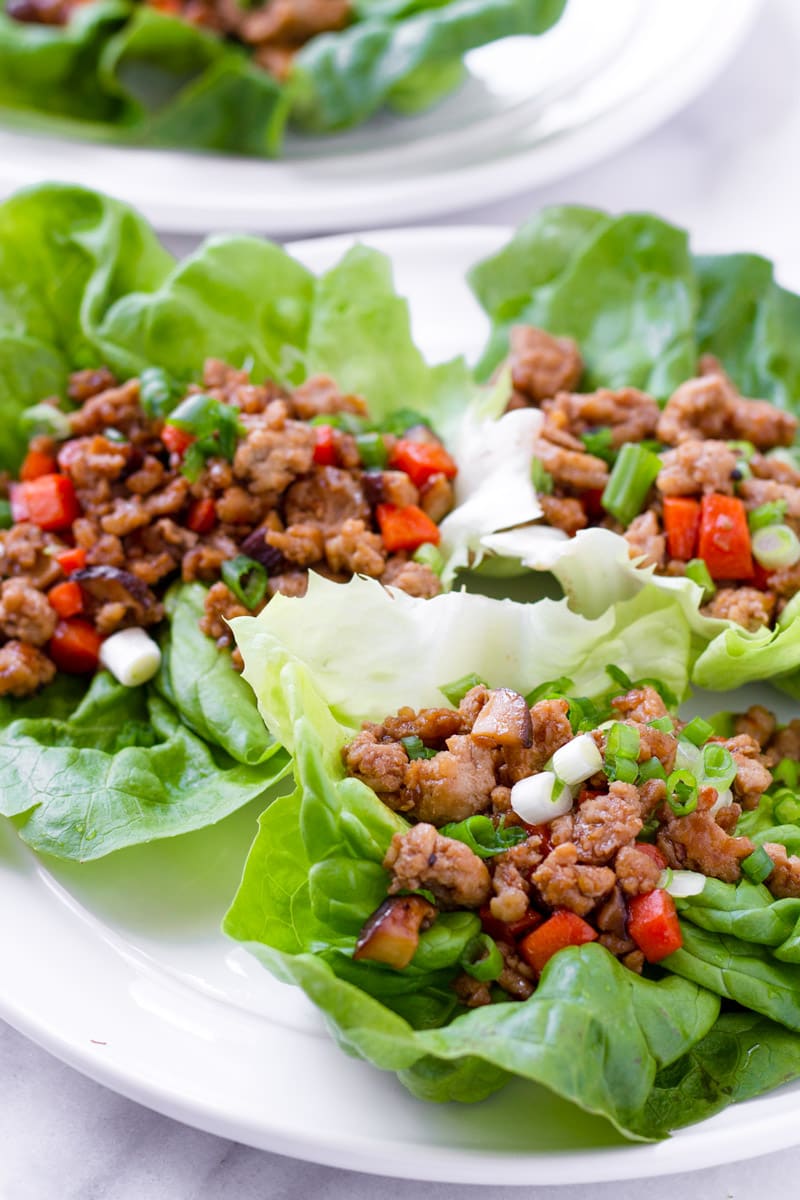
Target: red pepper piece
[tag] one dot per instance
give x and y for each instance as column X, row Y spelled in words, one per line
column 66, row 598
column 405, row 528
column 202, row 516
column 509, row 931
column 563, row 929
column 681, row 523
column 422, row 460
column 653, row 924
column 652, row 852
column 325, row 452
column 72, row 560
column 75, row 647
column 49, row 502
column 176, row 440
column 724, row 542
column 36, row 464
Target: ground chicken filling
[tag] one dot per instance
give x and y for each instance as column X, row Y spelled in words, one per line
column 242, row 486
column 705, row 486
column 275, row 30
column 559, row 828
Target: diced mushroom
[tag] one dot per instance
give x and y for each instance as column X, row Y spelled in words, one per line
column 504, row 720
column 391, row 935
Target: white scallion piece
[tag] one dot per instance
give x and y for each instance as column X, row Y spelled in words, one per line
column 688, row 757
column 540, row 798
column 578, row 760
column 776, row 546
column 131, row 656
column 682, row 883
column 723, row 800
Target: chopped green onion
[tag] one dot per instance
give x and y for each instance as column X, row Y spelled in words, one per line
column 552, row 689
column 372, row 450
column 697, row 731
column 652, row 769
column 158, row 393
column 776, row 546
column 622, row 741
column 345, row 421
column 719, row 767
column 633, row 475
column 619, row 677
column 698, row 572
column 787, row 809
column 542, row 480
column 247, row 579
column 429, row 555
column 415, row 747
column 401, row 421
column 745, row 450
column 600, row 443
column 758, row 866
column 46, row 420
column 115, row 435
column 662, row 724
column 482, row 959
column 457, row 690
column 583, row 713
column 216, row 426
column 483, row 837
column 649, row 830
column 625, row 770
column 6, row 519
column 786, row 772
column 682, row 793
column 771, row 513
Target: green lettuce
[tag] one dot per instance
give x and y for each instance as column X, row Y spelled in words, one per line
column 315, row 870
column 125, row 72
column 643, row 309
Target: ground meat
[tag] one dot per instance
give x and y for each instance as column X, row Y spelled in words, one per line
column 269, row 460
column 511, row 879
column 651, row 794
column 696, row 467
column 699, row 843
column 516, row 977
column 542, row 365
column 169, row 499
column 411, row 577
column 319, row 395
column 630, row 414
column 784, row 744
column 381, row 765
column 355, row 549
column 755, row 492
column 221, row 606
column 93, row 464
column 744, row 605
column 604, row 824
column 23, row 552
column 567, row 514
column 422, row 858
column 762, row 423
column 125, row 517
column 757, row 723
column 437, row 498
column 327, row 498
column 23, row 669
column 752, row 777
column 472, row 992
column 700, row 408
column 237, row 507
column 90, row 382
column 764, row 467
column 636, row 870
column 641, row 705
column 550, row 731
column 655, row 744
column 114, row 408
column 432, row 725
column 25, row 613
column 784, row 882
column 564, row 883
column 646, row 541
column 147, row 478
column 571, row 468
column 291, row 583
column 452, row 786
column 786, row 582
column 301, row 544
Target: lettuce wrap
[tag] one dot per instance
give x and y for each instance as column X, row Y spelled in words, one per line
column 126, row 72
column 643, row 309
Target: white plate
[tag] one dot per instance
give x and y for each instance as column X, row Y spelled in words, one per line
column 532, row 110
column 119, row 967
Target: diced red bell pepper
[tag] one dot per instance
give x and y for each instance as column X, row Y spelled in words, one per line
column 563, row 929
column 176, row 440
column 405, row 528
column 761, row 576
column 509, row 931
column 421, row 460
column 35, row 464
column 724, row 541
column 543, row 831
column 66, row 598
column 592, row 501
column 681, row 523
column 325, row 452
column 652, row 852
column 49, row 502
column 202, row 516
column 75, row 646
column 653, row 924
column 71, row 560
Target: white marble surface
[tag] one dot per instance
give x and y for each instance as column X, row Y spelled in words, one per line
column 726, row 168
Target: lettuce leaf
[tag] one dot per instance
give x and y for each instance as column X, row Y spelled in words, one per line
column 126, row 72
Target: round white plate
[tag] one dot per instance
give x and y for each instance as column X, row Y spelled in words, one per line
column 119, row 967
column 532, row 110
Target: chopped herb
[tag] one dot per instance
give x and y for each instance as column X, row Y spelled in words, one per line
column 662, row 724
column 344, row 421
column 158, row 393
column 552, row 689
column 372, row 450
column 400, row 422
column 247, row 579
column 652, row 769
column 215, row 426
column 415, row 747
column 771, row 513
column 429, row 556
column 600, row 443
column 483, row 837
column 541, row 479
column 633, row 474
column 457, row 690
column 697, row 731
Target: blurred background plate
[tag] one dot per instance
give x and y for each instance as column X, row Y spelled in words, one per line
column 530, row 111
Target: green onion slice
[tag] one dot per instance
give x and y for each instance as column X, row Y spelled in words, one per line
column 625, row 770
column 429, row 556
column 404, row 419
column 697, row 731
column 457, row 690
column 46, row 420
column 719, row 767
column 247, row 579
column 652, row 769
column 633, row 475
column 600, row 443
column 758, row 866
column 6, row 519
column 158, row 393
column 542, row 480
column 482, row 958
column 776, row 546
column 345, row 421
column 682, row 791
column 372, row 450
column 622, row 741
column 663, row 725
column 416, row 748
column 771, row 513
